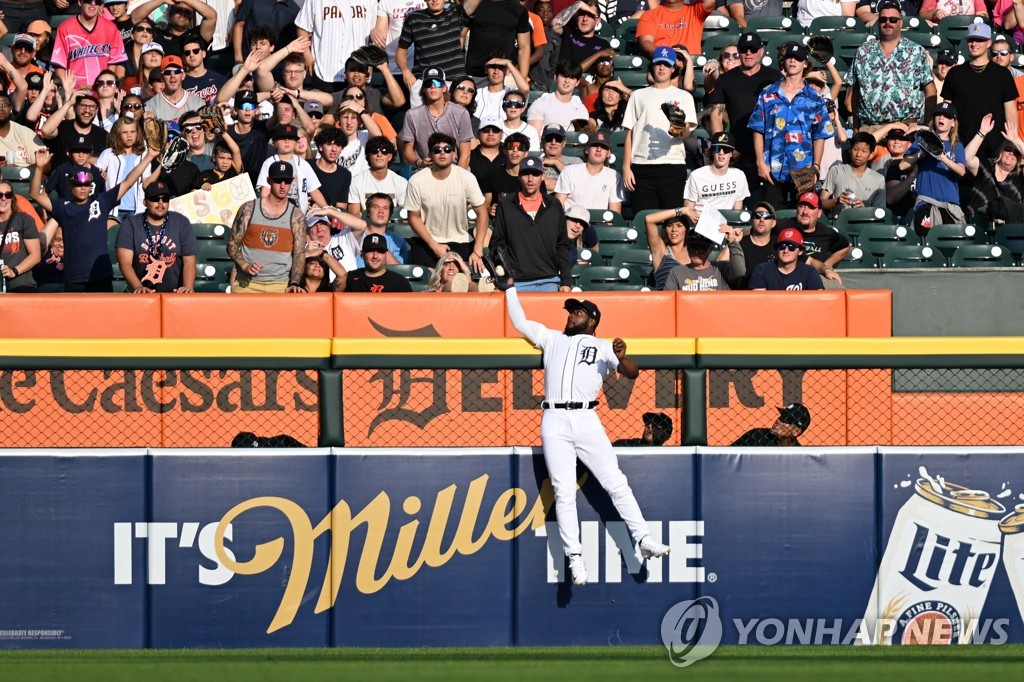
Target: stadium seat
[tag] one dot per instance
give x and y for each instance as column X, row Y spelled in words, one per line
column 16, row 173
column 981, row 256
column 947, row 237
column 211, row 231
column 213, row 250
column 718, row 23
column 855, row 259
column 402, row 229
column 928, row 41
column 1011, row 236
column 58, row 19
column 953, row 28
column 632, row 79
column 579, row 268
column 609, row 278
column 630, row 62
column 713, row 43
column 901, row 256
column 740, row 218
column 876, row 239
column 853, row 219
column 831, row 24
column 763, row 25
column 212, row 277
column 785, row 214
column 638, row 260
column 626, row 29
column 846, row 44
column 915, row 25
column 417, row 275
column 612, row 238
column 607, row 217
column 7, row 40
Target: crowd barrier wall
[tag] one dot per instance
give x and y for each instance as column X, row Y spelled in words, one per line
column 651, row 314
column 139, row 548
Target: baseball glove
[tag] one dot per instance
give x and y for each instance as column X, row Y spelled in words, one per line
column 821, row 48
column 174, row 152
column 499, row 265
column 676, row 119
column 929, row 142
column 212, row 119
column 155, row 133
column 370, row 55
column 805, row 179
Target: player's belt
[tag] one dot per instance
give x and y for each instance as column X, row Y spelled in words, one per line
column 569, row 406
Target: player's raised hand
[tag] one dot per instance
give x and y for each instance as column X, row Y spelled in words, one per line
column 619, row 348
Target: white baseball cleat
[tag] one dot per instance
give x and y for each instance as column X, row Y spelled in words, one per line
column 649, row 549
column 578, row 570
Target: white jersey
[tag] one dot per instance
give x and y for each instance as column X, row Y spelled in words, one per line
column 306, row 180
column 337, row 28
column 344, row 248
column 575, row 367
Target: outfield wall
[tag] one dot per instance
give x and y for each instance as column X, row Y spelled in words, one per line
column 140, row 548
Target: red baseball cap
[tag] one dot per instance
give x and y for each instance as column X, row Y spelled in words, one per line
column 791, row 235
column 171, row 60
column 809, row 198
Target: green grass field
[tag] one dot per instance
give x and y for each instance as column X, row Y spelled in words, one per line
column 621, row 664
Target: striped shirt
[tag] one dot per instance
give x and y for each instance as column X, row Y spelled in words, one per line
column 436, row 38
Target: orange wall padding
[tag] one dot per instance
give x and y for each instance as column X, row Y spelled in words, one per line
column 79, row 316
column 761, row 314
column 276, row 316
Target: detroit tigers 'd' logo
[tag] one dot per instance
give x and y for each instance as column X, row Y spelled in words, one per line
column 588, row 354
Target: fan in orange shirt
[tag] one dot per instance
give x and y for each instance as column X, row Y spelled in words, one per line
column 673, row 22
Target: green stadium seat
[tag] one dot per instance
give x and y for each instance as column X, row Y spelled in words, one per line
column 607, row 217
column 832, row 24
column 1011, row 236
column 417, row 275
column 609, row 278
column 634, row 259
column 58, row 19
column 612, row 238
column 577, row 270
column 213, row 250
column 629, row 62
column 740, row 218
column 981, row 256
column 856, row 259
column 402, row 229
column 915, row 25
column 876, row 239
column 948, row 237
column 716, row 23
column 631, row 79
column 846, row 44
column 713, row 43
column 7, row 40
column 901, row 256
column 762, row 25
column 853, row 219
column 954, row 28
column 216, row 231
column 212, row 276
column 626, row 29
column 16, row 173
column 928, row 41
column 784, row 214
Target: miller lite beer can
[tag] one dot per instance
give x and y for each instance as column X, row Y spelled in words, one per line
column 1012, row 527
column 937, row 568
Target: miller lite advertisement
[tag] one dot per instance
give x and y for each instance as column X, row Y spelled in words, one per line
column 140, row 548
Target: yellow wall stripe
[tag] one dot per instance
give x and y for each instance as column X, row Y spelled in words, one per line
column 166, row 348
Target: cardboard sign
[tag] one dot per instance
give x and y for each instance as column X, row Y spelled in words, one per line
column 219, row 204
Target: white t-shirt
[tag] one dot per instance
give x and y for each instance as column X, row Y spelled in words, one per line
column 704, row 188
column 651, row 142
column 395, row 11
column 489, row 103
column 550, row 110
column 593, row 192
column 528, row 130
column 812, row 9
column 364, row 184
column 337, row 27
column 344, row 248
column 305, row 181
column 443, row 204
column 225, row 20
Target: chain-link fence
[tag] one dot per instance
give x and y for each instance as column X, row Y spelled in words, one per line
column 158, row 408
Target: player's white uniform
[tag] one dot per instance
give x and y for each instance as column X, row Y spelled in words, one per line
column 574, row 371
column 337, row 27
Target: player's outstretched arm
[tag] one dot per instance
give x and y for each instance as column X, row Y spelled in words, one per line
column 627, row 367
column 531, row 330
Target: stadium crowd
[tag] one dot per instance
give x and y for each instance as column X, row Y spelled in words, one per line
column 403, row 139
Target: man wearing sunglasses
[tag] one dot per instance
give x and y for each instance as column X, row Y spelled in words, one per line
column 757, row 241
column 157, row 249
column 437, row 204
column 181, row 16
column 200, row 152
column 890, row 79
column 787, row 273
column 199, row 80
column 174, row 100
column 268, row 238
column 23, row 54
column 83, row 220
column 88, row 43
column 435, row 116
column 378, row 178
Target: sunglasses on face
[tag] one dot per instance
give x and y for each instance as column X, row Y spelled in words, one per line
column 316, row 114
column 382, row 152
column 442, row 149
column 6, row 195
column 192, row 127
column 162, row 199
column 26, row 48
column 513, row 105
column 105, row 84
column 131, row 107
column 92, row 2
column 358, row 96
column 194, row 51
column 730, row 55
column 247, row 106
column 749, row 50
column 762, row 215
column 553, row 138
column 889, row 20
column 466, row 88
column 172, row 72
column 142, row 29
column 1000, row 53
column 720, row 149
column 786, row 246
column 280, row 182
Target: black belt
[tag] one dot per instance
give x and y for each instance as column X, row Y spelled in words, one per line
column 569, row 406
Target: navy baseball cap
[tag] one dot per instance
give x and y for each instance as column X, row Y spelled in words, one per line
column 281, row 170
column 79, row 143
column 531, row 164
column 796, row 51
column 158, row 189
column 375, row 242
column 285, row 132
column 80, row 176
column 946, row 109
column 602, row 138
column 946, row 56
column 795, row 414
column 751, row 41
column 574, row 304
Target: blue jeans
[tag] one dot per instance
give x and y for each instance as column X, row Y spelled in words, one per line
column 547, row 284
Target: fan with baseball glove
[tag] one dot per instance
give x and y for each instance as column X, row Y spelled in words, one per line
column 499, row 266
column 154, row 131
column 804, row 179
column 676, row 119
column 370, row 55
column 175, row 151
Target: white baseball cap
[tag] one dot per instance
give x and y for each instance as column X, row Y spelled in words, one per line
column 149, row 47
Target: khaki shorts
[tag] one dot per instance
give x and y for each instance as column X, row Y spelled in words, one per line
column 251, row 286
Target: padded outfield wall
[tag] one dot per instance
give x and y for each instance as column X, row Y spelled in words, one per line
column 452, row 547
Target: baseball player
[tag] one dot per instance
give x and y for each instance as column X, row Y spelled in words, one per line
column 575, row 366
